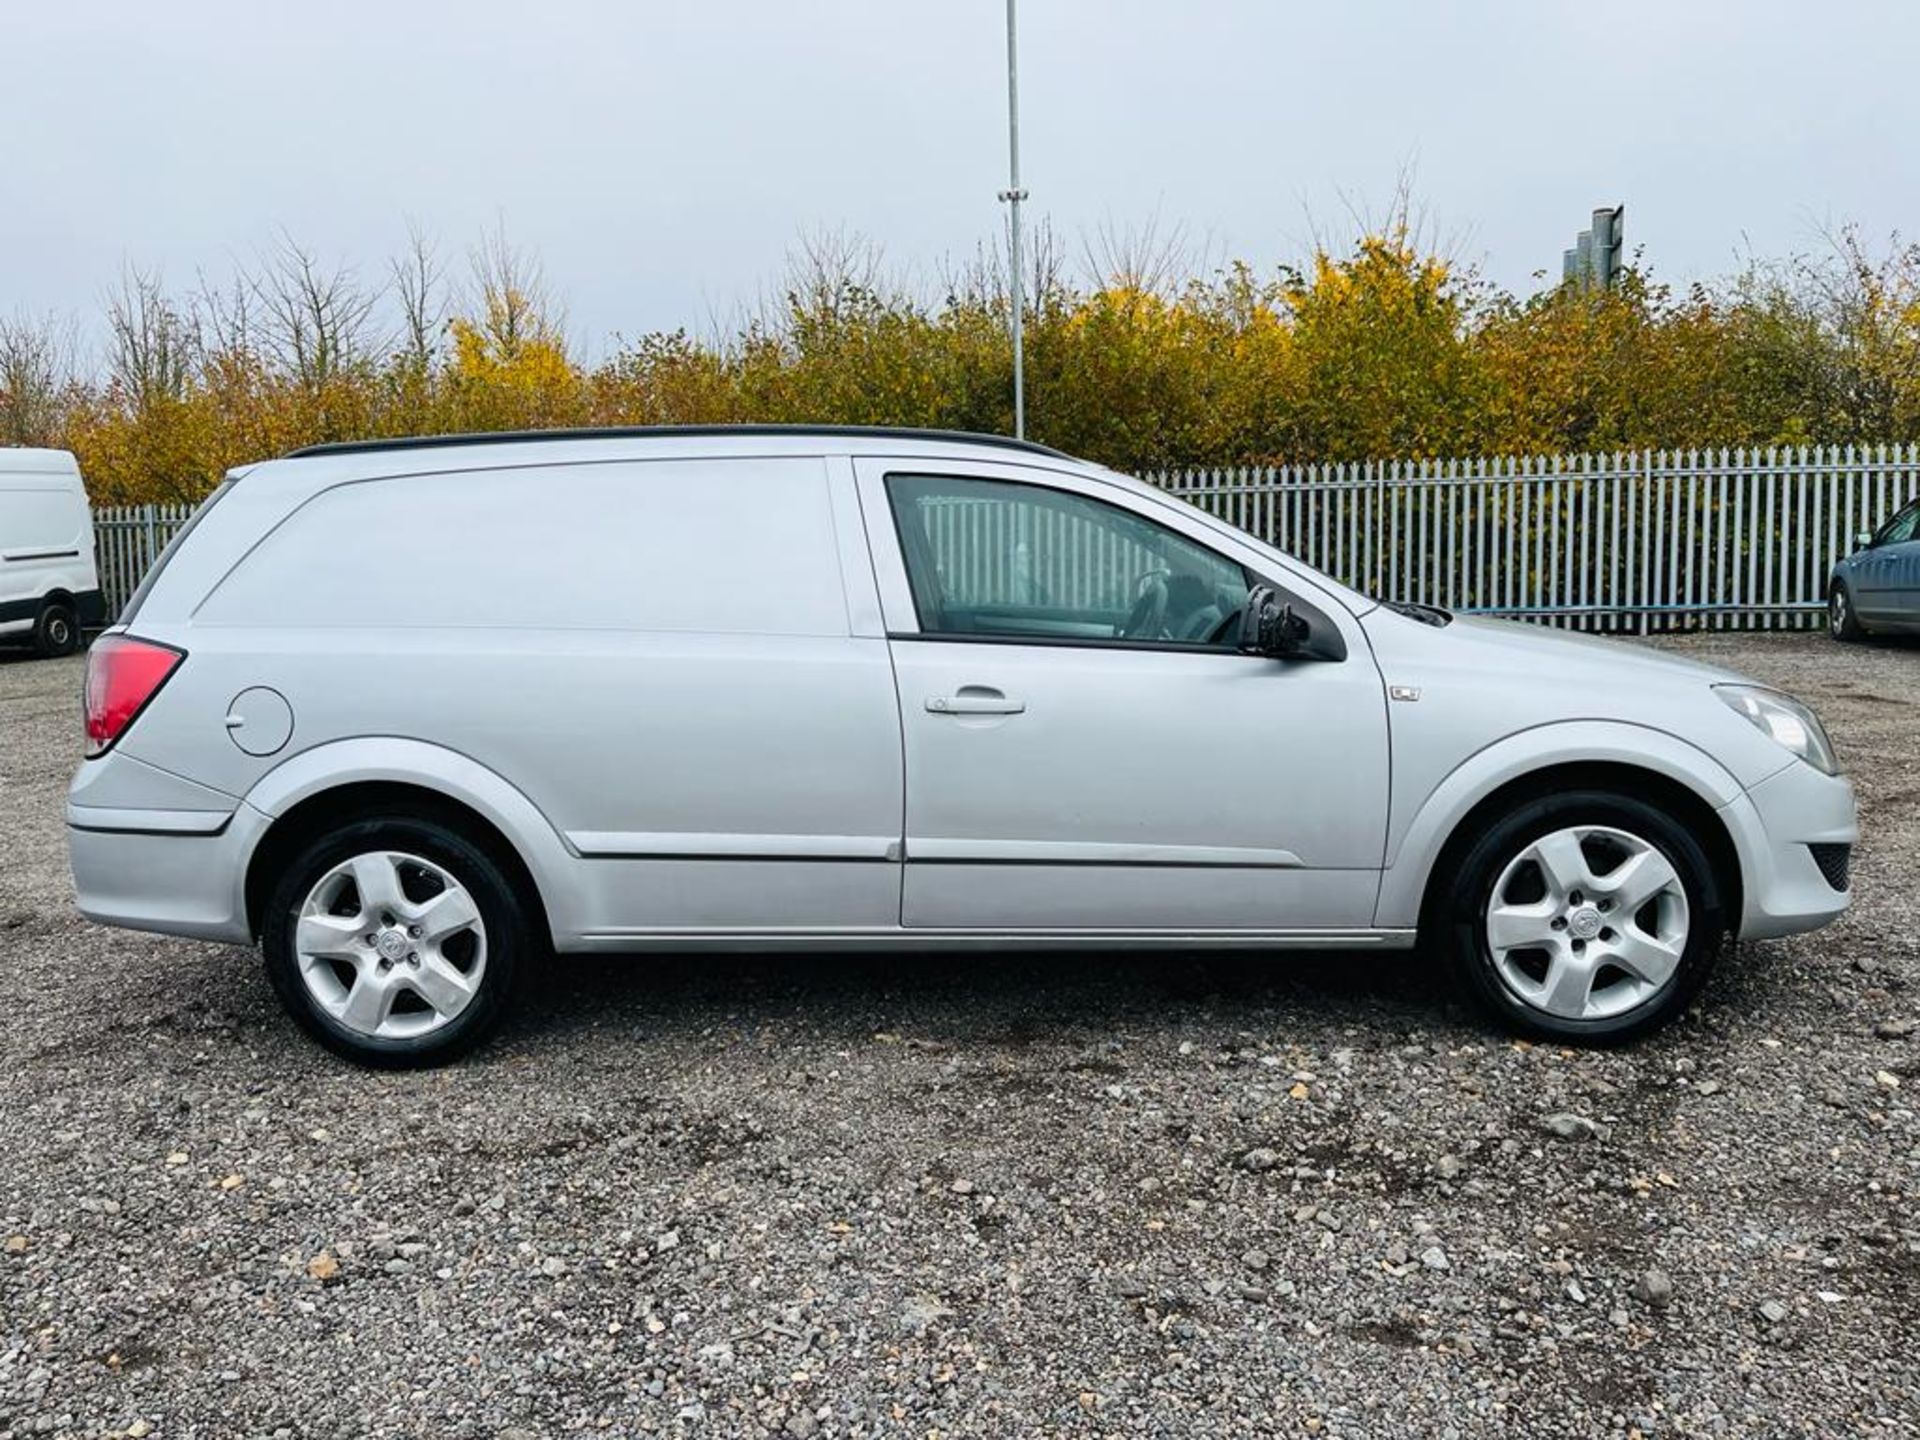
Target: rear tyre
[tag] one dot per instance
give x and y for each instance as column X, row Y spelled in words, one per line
column 1585, row 917
column 1843, row 623
column 57, row 630
column 395, row 940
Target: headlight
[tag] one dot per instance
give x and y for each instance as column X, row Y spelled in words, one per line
column 1786, row 721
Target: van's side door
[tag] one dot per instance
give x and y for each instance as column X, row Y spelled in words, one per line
column 1085, row 748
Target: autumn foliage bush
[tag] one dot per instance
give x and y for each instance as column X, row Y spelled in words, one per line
column 1381, row 349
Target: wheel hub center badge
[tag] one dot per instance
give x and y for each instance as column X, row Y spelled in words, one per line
column 392, row 945
column 1584, row 923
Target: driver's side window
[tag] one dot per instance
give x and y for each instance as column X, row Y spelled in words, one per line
column 1000, row 558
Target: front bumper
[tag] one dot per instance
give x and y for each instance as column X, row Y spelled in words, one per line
column 1772, row 825
column 164, row 870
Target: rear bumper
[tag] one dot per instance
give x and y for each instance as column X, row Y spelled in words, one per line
column 164, row 870
column 1772, row 825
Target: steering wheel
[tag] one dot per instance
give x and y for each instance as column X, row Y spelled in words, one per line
column 1148, row 618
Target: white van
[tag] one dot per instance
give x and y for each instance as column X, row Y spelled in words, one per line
column 413, row 713
column 49, row 588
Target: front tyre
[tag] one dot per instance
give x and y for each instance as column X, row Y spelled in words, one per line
column 394, row 941
column 1587, row 917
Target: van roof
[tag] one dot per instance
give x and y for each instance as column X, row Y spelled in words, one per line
column 27, row 460
column 671, row 432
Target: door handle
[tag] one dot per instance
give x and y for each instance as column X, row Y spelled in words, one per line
column 975, row 700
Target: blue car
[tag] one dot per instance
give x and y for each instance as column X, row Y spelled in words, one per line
column 1876, row 590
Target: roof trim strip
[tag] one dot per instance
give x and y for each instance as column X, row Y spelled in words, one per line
column 651, row 432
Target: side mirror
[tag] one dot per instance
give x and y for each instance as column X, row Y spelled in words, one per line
column 1269, row 627
column 1862, row 540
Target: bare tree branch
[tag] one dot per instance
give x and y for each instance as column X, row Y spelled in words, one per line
column 515, row 304
column 1139, row 257
column 226, row 321
column 316, row 322
column 153, row 342
column 36, row 375
column 419, row 285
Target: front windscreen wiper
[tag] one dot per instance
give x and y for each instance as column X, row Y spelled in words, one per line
column 1426, row 614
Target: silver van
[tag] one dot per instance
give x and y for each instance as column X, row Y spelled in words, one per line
column 412, row 713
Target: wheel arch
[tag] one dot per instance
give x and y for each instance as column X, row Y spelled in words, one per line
column 321, row 787
column 1640, row 762
column 59, row 598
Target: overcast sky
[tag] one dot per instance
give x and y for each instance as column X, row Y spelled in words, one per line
column 662, row 158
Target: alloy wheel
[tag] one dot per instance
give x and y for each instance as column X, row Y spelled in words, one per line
column 390, row 945
column 1587, row 923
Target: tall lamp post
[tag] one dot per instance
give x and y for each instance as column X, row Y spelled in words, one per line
column 1013, row 195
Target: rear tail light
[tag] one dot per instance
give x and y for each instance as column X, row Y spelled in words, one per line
column 123, row 674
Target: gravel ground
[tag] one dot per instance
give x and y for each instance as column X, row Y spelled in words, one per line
column 1088, row 1196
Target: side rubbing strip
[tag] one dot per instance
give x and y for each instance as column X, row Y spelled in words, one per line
column 663, row 845
column 1073, row 852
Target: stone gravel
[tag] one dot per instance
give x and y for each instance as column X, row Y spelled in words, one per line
column 1097, row 1195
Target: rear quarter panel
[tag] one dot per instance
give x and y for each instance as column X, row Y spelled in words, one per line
column 615, row 736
